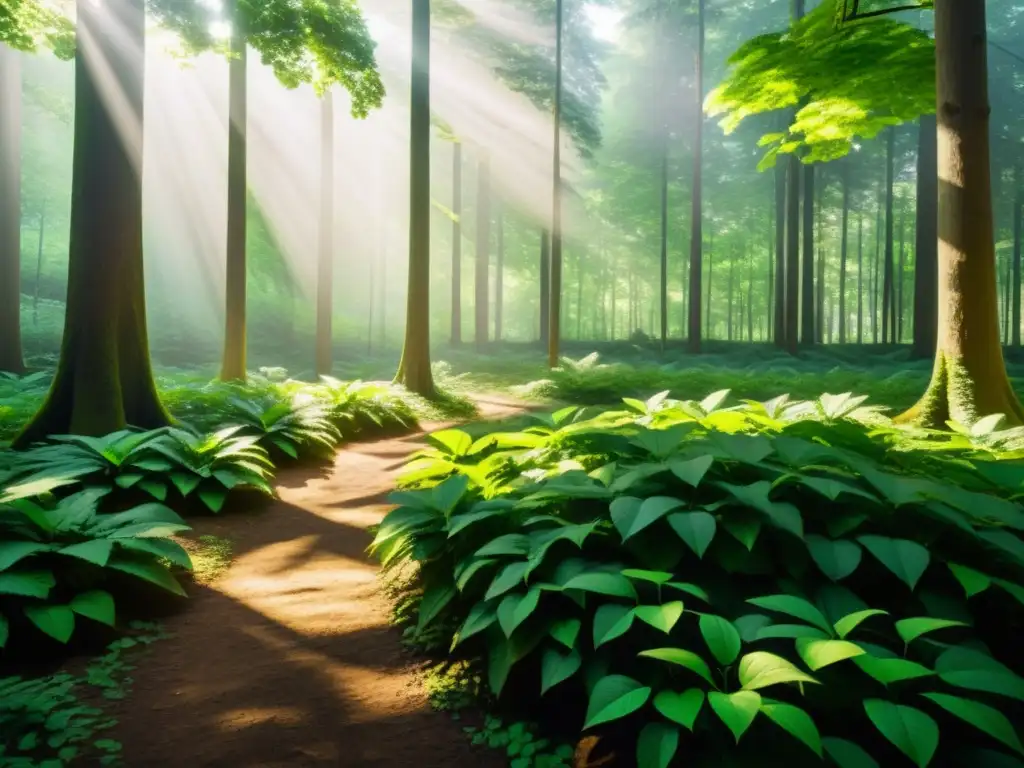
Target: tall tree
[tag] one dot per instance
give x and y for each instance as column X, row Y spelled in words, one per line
column 697, row 191
column 104, row 380
column 843, row 249
column 555, row 302
column 11, row 358
column 456, row 331
column 481, row 275
column 779, row 318
column 926, row 265
column 325, row 256
column 888, row 303
column 414, row 369
column 1018, row 235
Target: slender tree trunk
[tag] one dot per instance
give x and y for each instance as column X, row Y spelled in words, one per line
column 969, row 379
column 792, row 254
column 779, row 315
column 728, row 303
column 844, row 250
column 482, row 277
column 807, row 331
column 614, row 278
column 104, row 380
column 325, row 262
column 664, row 239
column 499, row 280
column 456, row 329
column 819, row 293
column 1018, row 235
column 888, row 323
column 1007, row 272
column 875, row 267
column 708, row 328
column 696, row 210
column 900, row 272
column 555, row 321
column 770, row 279
column 414, row 369
column 860, row 277
column 233, row 364
column 11, row 357
column 750, row 296
column 371, row 299
column 39, row 263
column 545, row 285
column 926, row 270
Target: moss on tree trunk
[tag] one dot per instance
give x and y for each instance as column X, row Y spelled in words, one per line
column 969, row 378
column 104, row 381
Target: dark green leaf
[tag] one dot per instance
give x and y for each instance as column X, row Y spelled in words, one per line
column 681, row 708
column 907, row 559
column 911, row 730
column 58, row 621
column 610, row 621
column 981, row 716
column 836, row 559
column 614, row 697
column 697, row 529
column 795, row 721
column 555, row 667
column 737, row 710
column 722, row 638
column 657, row 745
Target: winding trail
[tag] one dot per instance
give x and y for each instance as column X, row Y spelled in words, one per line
column 288, row 658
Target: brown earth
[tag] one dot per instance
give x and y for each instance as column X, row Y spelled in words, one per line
column 288, row 659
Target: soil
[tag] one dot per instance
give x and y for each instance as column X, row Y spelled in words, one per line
column 288, row 658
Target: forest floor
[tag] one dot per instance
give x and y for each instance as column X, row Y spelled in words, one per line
column 289, row 659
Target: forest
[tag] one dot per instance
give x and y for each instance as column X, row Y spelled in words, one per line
column 529, row 383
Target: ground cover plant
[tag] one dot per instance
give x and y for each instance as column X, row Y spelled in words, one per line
column 751, row 585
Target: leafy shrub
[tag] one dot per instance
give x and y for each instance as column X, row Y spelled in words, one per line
column 288, row 426
column 692, row 579
column 56, row 559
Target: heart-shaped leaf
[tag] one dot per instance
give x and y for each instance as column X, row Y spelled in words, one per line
column 821, row 653
column 907, row 559
column 566, row 631
column 911, row 629
column 661, row 617
column 697, row 529
column 657, row 745
column 651, row 510
column 736, row 710
column 681, row 708
column 760, row 669
column 722, row 638
column 614, row 697
column 556, row 667
column 610, row 621
column 96, row 605
column 58, row 621
column 683, row 658
column 691, row 471
column 836, row 559
column 795, row 721
column 911, row 730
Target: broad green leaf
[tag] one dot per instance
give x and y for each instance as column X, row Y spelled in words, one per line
column 27, row 583
column 846, row 754
column 509, row 544
column 793, row 606
column 614, row 697
column 760, row 669
column 480, row 618
column 681, row 708
column 95, row 551
column 831, row 488
column 453, row 441
column 911, row 730
column 556, row 667
column 445, row 496
column 737, row 710
column 691, row 471
column 697, row 529
column 153, row 572
column 850, row 622
column 96, row 605
column 742, row 526
column 722, row 638
column 13, row 551
column 499, row 664
column 610, row 621
column 968, row 668
column 655, row 577
column 690, row 589
column 516, row 608
column 507, row 578
column 821, row 653
column 624, row 512
column 459, row 523
column 794, row 721
column 565, row 631
column 662, row 617
column 213, row 498
column 981, row 716
column 911, row 629
column 888, row 671
column 657, row 745
column 613, row 584
column 58, row 621
column 907, row 559
column 794, row 631
column 434, row 601
column 836, row 559
column 468, row 569
column 783, row 515
column 748, row 626
column 682, row 658
column 630, row 521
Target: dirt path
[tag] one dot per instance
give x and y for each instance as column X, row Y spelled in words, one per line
column 288, row 659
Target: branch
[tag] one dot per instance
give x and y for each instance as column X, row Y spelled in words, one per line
column 856, row 15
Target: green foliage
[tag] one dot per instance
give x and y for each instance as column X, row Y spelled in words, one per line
column 30, row 24
column 521, row 744
column 846, row 82
column 700, row 576
column 59, row 559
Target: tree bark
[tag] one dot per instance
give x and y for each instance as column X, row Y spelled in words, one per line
column 708, row 328
column 456, row 331
column 414, row 369
column 844, row 250
column 545, row 285
column 792, row 254
column 104, row 380
column 926, row 269
column 39, row 262
column 555, row 307
column 819, row 292
column 481, row 275
column 969, row 379
column 1018, row 235
column 807, row 332
column 779, row 315
column 889, row 323
column 860, row 277
column 900, row 272
column 11, row 357
column 693, row 337
column 664, row 238
column 325, row 262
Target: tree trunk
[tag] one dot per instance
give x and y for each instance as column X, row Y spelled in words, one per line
column 969, row 378
column 899, row 274
column 693, row 337
column 926, row 269
column 860, row 277
column 1018, row 225
column 807, row 332
column 482, row 277
column 325, row 263
column 414, row 369
column 664, row 238
column 792, row 253
column 614, row 279
column 750, row 296
column 844, row 250
column 770, row 278
column 545, row 285
column 11, row 357
column 499, row 281
column 708, row 328
column 819, row 293
column 888, row 323
column 233, row 364
column 875, row 269
column 456, row 330
column 779, row 316
column 728, row 302
column 104, row 380
column 579, row 297
column 555, row 307
column 39, row 262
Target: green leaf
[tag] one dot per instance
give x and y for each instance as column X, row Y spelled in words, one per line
column 749, row 625
column 509, row 544
column 760, row 669
column 836, row 559
column 690, row 589
column 5, row 630
column 821, row 653
column 507, row 578
column 794, row 721
column 58, row 621
column 662, row 617
column 453, row 441
column 912, row 731
column 745, row 528
column 213, row 497
column 13, row 551
column 470, row 569
column 682, row 658
column 968, row 668
column 96, row 605
column 446, row 495
column 737, row 710
column 655, row 577
column 566, row 631
column 96, row 551
column 697, row 529
column 556, row 667
column 27, row 583
column 610, row 621
column 155, row 573
column 612, row 584
column 888, row 671
column 722, row 638
column 657, row 745
column 480, row 618
column 981, row 716
column 435, row 598
column 516, row 608
column 691, row 471
column 907, row 559
column 793, row 606
column 681, row 708
column 911, row 629
column 848, row 623
column 774, row 631
column 651, row 510
column 614, row 697
column 846, row 754
column 973, row 582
